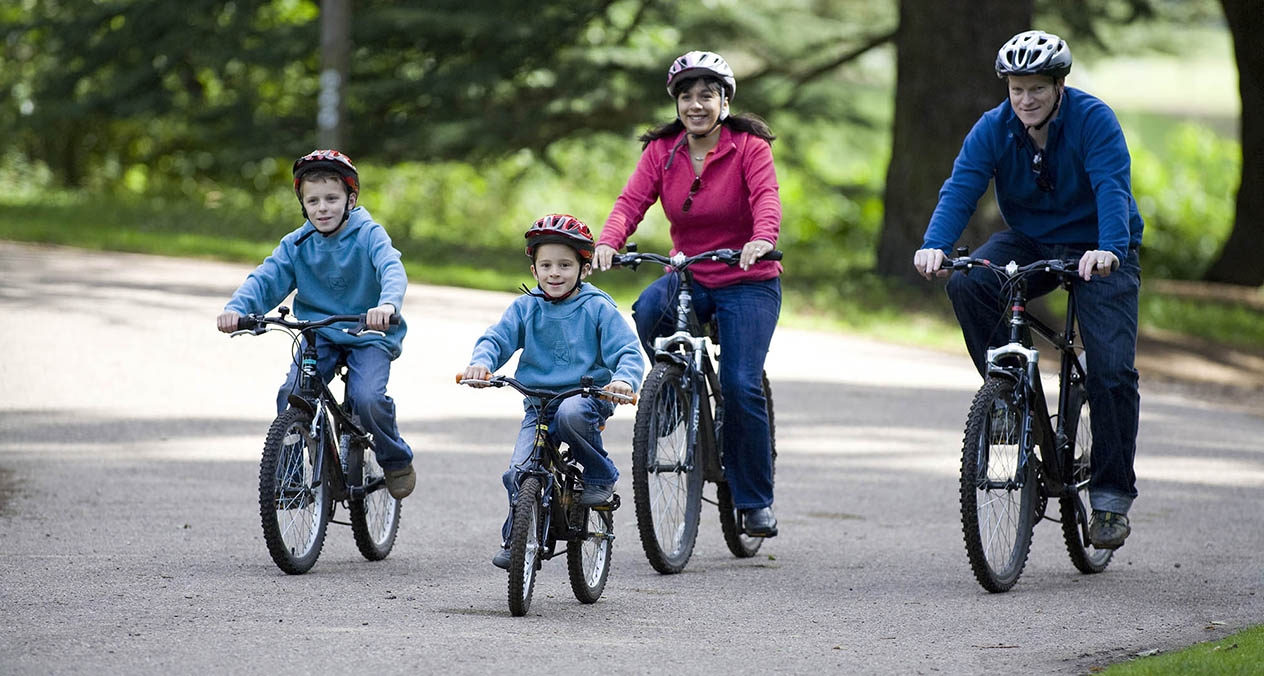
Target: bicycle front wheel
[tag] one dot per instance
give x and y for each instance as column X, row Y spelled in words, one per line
column 588, row 557
column 998, row 487
column 1087, row 559
column 742, row 545
column 666, row 475
column 525, row 542
column 374, row 513
column 294, row 507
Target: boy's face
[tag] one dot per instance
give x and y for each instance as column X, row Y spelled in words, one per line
column 326, row 200
column 557, row 269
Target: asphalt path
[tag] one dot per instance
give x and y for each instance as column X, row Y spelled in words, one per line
column 130, row 543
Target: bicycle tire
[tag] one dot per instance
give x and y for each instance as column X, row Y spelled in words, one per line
column 666, row 474
column 375, row 514
column 997, row 503
column 1087, row 559
column 740, row 544
column 294, row 510
column 525, row 544
column 588, row 557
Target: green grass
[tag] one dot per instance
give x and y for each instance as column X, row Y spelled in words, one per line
column 1241, row 653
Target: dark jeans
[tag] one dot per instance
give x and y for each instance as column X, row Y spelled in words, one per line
column 747, row 315
column 1106, row 309
column 369, row 368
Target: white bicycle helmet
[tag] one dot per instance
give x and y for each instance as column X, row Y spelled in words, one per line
column 701, row 63
column 1034, row 53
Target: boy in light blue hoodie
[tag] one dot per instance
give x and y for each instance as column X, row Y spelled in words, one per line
column 341, row 262
column 566, row 329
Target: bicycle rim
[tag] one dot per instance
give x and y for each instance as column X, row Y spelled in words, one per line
column 588, row 557
column 739, row 543
column 666, row 479
column 294, row 508
column 997, row 489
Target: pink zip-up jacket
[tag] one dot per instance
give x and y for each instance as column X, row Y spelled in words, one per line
column 737, row 202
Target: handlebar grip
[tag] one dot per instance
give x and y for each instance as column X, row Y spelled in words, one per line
column 247, row 323
column 394, row 320
column 774, row 255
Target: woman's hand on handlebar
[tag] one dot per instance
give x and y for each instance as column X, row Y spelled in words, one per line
column 752, row 252
column 227, row 321
column 1097, row 262
column 602, row 256
column 930, row 262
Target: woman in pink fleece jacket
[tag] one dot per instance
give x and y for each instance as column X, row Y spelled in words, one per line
column 714, row 175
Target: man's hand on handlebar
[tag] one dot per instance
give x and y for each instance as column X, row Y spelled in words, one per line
column 930, row 263
column 603, row 256
column 1097, row 262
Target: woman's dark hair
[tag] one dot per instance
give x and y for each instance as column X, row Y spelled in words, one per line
column 746, row 122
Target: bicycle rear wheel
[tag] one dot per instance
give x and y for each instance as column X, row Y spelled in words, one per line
column 666, row 474
column 294, row 508
column 1087, row 559
column 525, row 543
column 998, row 488
column 374, row 514
column 742, row 545
column 588, row 557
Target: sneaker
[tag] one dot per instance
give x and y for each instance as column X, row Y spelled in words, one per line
column 401, row 482
column 1108, row 530
column 501, row 560
column 596, row 495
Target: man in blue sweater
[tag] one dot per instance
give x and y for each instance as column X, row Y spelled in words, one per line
column 341, row 262
column 566, row 329
column 1062, row 175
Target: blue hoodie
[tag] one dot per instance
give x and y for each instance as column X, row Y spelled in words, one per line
column 583, row 335
column 1091, row 203
column 348, row 272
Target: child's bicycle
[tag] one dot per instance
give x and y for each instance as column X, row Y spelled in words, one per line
column 316, row 455
column 1016, row 456
column 678, row 436
column 546, row 509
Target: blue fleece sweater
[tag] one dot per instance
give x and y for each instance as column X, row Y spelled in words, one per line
column 1091, row 203
column 349, row 272
column 561, row 342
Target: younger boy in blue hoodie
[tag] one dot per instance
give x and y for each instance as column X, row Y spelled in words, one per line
column 341, row 262
column 566, row 329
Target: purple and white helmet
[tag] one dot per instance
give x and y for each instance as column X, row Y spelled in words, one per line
column 1034, row 53
column 694, row 64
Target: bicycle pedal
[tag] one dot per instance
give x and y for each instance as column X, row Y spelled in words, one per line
column 610, row 506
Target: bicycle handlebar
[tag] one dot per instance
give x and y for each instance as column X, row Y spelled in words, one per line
column 546, row 395
column 1062, row 267
column 257, row 324
column 680, row 261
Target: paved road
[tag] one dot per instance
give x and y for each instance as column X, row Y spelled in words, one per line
column 129, row 434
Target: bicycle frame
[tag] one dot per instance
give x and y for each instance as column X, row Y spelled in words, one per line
column 315, row 397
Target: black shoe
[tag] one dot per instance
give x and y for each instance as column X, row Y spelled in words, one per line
column 759, row 523
column 1108, row 530
column 501, row 560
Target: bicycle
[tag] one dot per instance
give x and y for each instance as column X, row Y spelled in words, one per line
column 546, row 509
column 1016, row 456
column 678, row 437
column 316, row 455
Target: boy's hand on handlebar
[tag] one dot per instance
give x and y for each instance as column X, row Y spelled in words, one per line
column 379, row 318
column 752, row 251
column 1097, row 262
column 227, row 321
column 602, row 256
column 474, row 372
column 619, row 387
column 930, row 262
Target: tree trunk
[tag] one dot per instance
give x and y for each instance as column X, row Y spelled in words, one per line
column 1239, row 261
column 945, row 51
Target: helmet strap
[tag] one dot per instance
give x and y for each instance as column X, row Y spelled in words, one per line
column 551, row 299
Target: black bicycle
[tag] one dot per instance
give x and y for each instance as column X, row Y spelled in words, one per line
column 546, row 509
column 317, row 455
column 678, row 433
column 1016, row 456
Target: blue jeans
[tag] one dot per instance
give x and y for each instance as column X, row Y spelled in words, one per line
column 746, row 314
column 1106, row 309
column 577, row 422
column 368, row 370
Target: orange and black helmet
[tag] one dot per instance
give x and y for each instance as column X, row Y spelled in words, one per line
column 561, row 229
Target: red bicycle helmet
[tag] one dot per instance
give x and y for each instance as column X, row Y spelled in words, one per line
column 561, row 229
column 331, row 160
